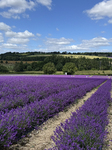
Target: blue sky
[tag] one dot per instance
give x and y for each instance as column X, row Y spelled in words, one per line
column 55, row 25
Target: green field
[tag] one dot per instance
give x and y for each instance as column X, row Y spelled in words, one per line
column 39, row 55
column 66, row 55
column 84, row 72
column 77, row 56
column 94, row 72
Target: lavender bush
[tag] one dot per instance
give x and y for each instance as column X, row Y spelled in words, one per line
column 85, row 130
column 17, row 122
column 19, row 91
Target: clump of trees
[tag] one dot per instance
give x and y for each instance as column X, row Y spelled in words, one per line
column 18, row 67
column 70, row 68
column 3, row 69
column 49, row 68
column 65, row 64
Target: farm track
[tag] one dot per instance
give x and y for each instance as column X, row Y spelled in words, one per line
column 41, row 139
column 109, row 127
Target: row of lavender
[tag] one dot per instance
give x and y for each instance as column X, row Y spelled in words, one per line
column 19, row 91
column 16, row 123
column 85, row 130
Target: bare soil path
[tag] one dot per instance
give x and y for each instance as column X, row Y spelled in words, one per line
column 41, row 139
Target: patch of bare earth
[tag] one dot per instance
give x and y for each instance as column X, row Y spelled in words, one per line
column 41, row 138
column 109, row 127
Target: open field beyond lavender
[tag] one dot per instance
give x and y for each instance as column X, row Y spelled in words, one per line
column 28, row 101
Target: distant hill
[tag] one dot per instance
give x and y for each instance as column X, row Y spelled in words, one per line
column 40, row 56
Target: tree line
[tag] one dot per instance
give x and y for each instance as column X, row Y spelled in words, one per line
column 40, row 56
column 54, row 63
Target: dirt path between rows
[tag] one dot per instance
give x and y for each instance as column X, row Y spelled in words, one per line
column 109, row 127
column 41, row 139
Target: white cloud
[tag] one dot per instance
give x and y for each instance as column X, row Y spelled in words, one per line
column 104, row 50
column 61, row 41
column 75, row 48
column 6, row 47
column 10, row 46
column 15, row 41
column 14, row 38
column 18, row 40
column 1, row 38
column 25, row 16
column 54, row 44
column 101, row 10
column 63, row 44
column 15, row 7
column 10, row 34
column 95, row 42
column 25, row 34
column 110, row 21
column 6, row 14
column 4, row 27
column 38, row 34
column 46, row 3
column 12, row 3
column 89, row 45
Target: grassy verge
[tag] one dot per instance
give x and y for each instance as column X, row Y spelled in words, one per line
column 84, row 72
column 94, row 72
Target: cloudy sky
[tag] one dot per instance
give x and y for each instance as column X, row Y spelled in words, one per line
column 55, row 25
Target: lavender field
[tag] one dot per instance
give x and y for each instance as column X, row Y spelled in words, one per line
column 28, row 101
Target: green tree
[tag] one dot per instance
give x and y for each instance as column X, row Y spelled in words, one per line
column 21, row 66
column 70, row 68
column 34, row 65
column 37, row 69
column 29, row 68
column 49, row 68
column 3, row 69
column 25, row 66
column 59, row 66
column 18, row 67
column 39, row 66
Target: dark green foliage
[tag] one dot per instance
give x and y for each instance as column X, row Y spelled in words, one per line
column 49, row 68
column 56, row 59
column 81, row 63
column 29, row 68
column 18, row 67
column 37, row 69
column 70, row 68
column 39, row 66
column 105, row 65
column 3, row 69
column 25, row 66
column 34, row 65
column 59, row 67
column 21, row 66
